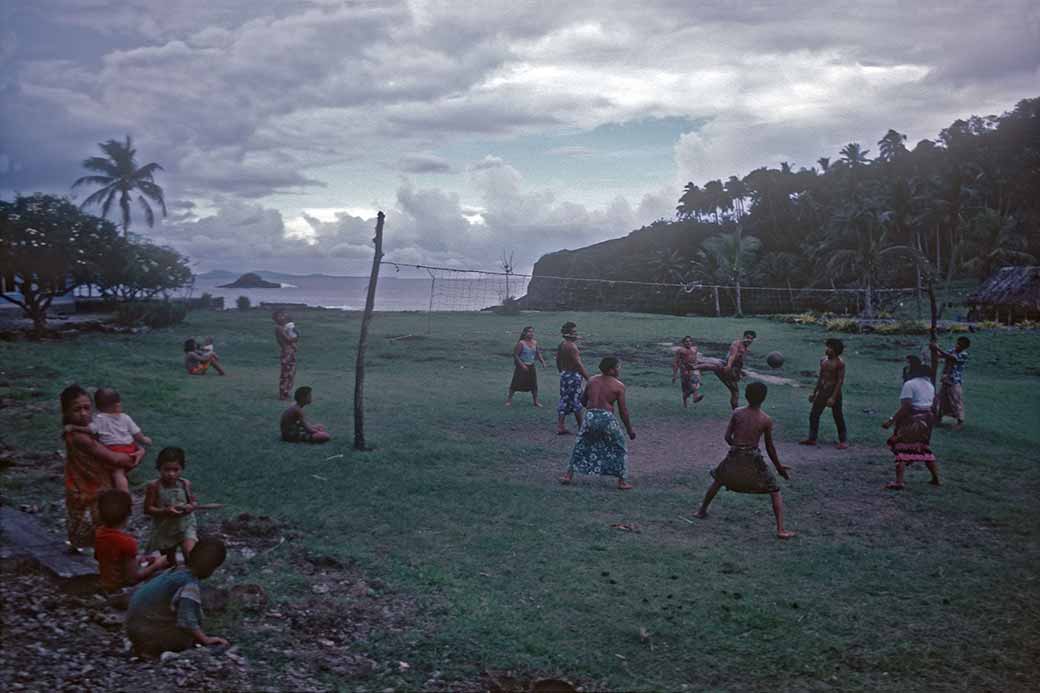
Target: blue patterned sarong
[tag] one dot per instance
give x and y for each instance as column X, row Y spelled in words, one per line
column 570, row 393
column 600, row 448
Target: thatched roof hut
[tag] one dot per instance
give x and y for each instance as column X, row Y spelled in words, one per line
column 1011, row 292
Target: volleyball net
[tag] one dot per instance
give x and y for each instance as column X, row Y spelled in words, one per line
column 459, row 289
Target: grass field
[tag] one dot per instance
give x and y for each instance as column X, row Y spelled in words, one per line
column 458, row 505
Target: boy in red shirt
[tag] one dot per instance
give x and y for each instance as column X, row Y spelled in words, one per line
column 115, row 549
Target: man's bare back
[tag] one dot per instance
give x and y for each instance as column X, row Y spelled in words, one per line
column 603, row 391
column 568, row 358
column 747, row 425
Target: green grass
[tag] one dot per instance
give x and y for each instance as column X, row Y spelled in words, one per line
column 458, row 506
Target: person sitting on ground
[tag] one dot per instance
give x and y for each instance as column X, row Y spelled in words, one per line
column 827, row 393
column 196, row 362
column 685, row 365
column 206, row 349
column 572, row 376
column 744, row 470
column 950, row 401
column 295, row 428
column 170, row 503
column 165, row 613
column 115, row 430
column 115, row 549
column 914, row 420
column 600, row 447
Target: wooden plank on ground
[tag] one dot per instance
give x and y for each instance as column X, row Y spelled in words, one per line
column 21, row 535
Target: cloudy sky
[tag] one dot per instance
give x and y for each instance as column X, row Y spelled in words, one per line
column 517, row 126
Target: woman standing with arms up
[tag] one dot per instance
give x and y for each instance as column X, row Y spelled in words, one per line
column 525, row 377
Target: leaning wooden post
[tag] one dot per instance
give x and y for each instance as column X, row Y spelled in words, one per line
column 359, row 368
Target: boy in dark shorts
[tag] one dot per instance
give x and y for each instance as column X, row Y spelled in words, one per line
column 744, row 470
column 827, row 393
column 295, row 428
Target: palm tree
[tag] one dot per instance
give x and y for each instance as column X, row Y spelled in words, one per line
column 690, row 202
column 119, row 175
column 714, row 198
column 854, row 156
column 730, row 255
column 825, row 164
column 994, row 242
column 891, row 147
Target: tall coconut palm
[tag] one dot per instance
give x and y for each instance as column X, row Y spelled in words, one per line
column 730, row 257
column 853, row 155
column 892, row 146
column 120, row 177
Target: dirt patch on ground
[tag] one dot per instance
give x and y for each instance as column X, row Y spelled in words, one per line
column 667, row 452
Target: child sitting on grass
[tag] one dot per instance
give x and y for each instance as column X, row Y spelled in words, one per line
column 115, row 549
column 113, row 429
column 170, row 503
column 744, row 470
column 294, row 428
column 165, row 614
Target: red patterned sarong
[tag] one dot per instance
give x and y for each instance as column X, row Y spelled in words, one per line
column 910, row 443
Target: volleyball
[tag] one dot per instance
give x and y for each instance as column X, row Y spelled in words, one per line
column 775, row 359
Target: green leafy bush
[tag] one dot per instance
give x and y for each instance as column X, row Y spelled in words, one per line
column 243, row 303
column 842, row 325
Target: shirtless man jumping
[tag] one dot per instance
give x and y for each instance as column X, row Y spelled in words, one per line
column 744, row 470
column 685, row 365
column 600, row 448
column 731, row 373
column 572, row 375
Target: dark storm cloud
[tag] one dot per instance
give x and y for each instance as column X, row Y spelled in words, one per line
column 243, row 99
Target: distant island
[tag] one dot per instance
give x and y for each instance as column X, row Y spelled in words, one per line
column 250, row 280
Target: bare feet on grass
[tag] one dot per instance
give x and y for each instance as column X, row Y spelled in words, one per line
column 538, row 404
column 784, row 534
column 509, row 402
column 563, row 432
column 894, row 486
column 698, row 398
column 807, row 441
column 935, row 482
column 624, row 485
column 566, row 479
column 843, row 446
column 701, row 514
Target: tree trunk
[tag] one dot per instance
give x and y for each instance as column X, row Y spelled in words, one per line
column 933, row 331
column 718, row 308
column 740, row 307
column 359, row 369
column 868, row 302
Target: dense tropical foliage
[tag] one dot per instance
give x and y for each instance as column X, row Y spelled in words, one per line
column 961, row 205
column 49, row 247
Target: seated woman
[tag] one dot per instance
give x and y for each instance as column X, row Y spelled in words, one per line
column 198, row 362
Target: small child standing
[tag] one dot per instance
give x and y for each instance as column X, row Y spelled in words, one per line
column 170, row 503
column 744, row 470
column 294, row 428
column 113, row 429
column 166, row 613
column 115, row 549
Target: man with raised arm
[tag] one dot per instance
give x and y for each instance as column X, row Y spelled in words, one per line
column 600, row 448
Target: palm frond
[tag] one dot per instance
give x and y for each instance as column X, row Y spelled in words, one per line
column 146, row 171
column 149, row 215
column 97, row 196
column 93, row 180
column 101, row 165
column 153, row 192
column 108, row 200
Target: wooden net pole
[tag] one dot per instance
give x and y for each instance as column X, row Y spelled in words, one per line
column 359, row 368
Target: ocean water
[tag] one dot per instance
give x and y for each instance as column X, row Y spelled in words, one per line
column 348, row 293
